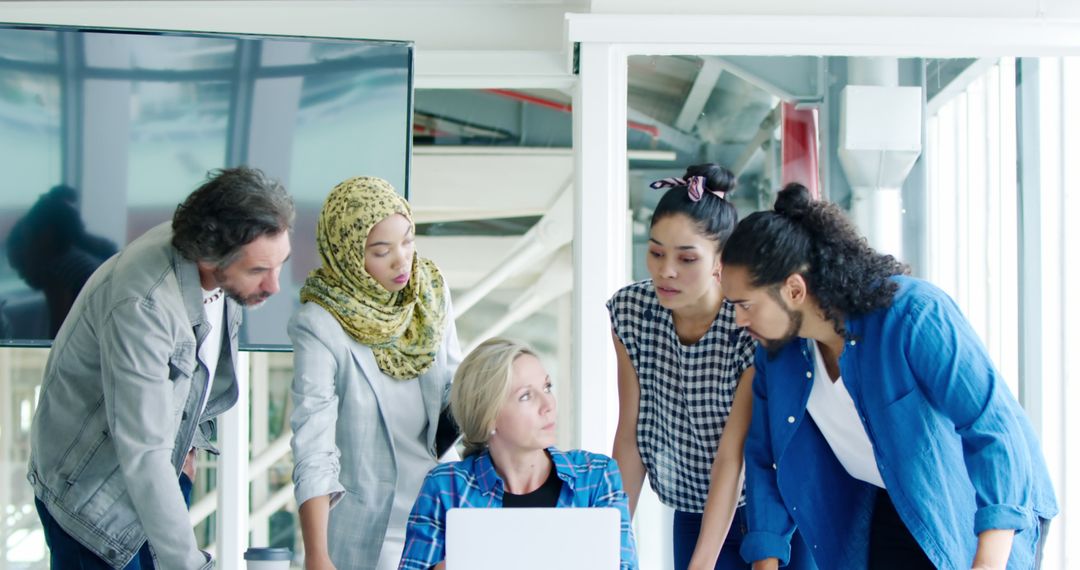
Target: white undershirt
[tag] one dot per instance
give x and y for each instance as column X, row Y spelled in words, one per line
column 403, row 407
column 834, row 413
column 210, row 350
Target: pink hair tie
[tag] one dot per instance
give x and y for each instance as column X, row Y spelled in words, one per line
column 695, row 186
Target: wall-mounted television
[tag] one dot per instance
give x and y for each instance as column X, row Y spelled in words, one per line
column 104, row 131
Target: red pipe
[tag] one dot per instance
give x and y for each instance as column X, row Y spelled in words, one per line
column 652, row 130
column 421, row 129
column 564, row 107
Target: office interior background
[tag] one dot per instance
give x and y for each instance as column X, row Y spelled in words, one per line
column 944, row 128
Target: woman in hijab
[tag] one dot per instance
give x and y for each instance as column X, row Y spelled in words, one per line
column 375, row 350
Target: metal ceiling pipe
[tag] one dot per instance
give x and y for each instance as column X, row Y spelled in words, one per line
column 765, row 132
column 652, row 130
column 880, row 71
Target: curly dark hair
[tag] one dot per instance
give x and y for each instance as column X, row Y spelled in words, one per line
column 715, row 217
column 816, row 240
column 234, row 207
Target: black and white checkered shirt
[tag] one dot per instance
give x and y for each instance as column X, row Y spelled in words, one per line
column 686, row 391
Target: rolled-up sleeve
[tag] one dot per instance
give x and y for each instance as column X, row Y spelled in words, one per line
column 770, row 525
column 958, row 378
column 315, row 413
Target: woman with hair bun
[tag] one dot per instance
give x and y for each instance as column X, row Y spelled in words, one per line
column 685, row 370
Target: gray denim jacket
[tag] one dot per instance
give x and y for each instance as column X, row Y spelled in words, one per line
column 118, row 405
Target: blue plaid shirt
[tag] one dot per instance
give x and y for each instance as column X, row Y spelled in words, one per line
column 589, row 480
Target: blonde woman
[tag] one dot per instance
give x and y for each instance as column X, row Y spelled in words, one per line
column 502, row 400
column 375, row 350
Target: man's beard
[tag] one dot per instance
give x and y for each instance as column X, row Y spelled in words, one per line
column 253, row 301
column 774, row 346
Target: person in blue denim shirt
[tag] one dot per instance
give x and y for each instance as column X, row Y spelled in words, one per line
column 502, row 400
column 881, row 428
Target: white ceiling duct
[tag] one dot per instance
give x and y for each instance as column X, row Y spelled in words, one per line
column 881, row 127
column 880, row 134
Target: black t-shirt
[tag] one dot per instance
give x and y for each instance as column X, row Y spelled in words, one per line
column 546, row 496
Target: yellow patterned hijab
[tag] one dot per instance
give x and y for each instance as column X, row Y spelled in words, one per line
column 403, row 329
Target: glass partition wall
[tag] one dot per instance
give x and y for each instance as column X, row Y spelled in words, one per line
column 956, row 185
column 980, row 207
column 504, row 248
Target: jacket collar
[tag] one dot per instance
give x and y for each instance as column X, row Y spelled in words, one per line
column 190, row 282
column 187, row 277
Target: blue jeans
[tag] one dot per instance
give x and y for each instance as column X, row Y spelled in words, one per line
column 67, row 553
column 687, row 526
column 685, row 529
column 891, row 545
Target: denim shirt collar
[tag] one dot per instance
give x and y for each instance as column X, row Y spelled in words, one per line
column 853, row 327
column 491, row 483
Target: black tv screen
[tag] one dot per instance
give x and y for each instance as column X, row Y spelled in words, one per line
column 103, row 132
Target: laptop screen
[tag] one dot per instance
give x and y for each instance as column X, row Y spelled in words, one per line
column 532, row 539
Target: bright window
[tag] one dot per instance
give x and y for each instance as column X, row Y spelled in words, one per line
column 972, row 209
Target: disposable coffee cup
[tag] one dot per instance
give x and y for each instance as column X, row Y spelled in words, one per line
column 268, row 558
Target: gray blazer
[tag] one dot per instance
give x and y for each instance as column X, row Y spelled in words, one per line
column 341, row 444
column 119, row 406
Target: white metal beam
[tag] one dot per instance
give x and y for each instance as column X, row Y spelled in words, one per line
column 260, row 426
column 503, row 69
column 564, row 378
column 8, row 413
column 667, row 133
column 258, row 465
column 553, row 231
column 784, row 78
column 1042, row 350
column 496, row 183
column 433, row 25
column 273, row 504
column 1004, row 8
column 699, row 94
column 465, row 260
column 601, row 235
column 556, row 280
column 960, row 83
column 765, row 132
column 232, row 483
column 830, row 35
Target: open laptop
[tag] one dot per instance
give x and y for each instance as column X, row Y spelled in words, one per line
column 532, row 539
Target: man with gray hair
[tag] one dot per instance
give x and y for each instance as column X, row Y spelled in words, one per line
column 141, row 366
